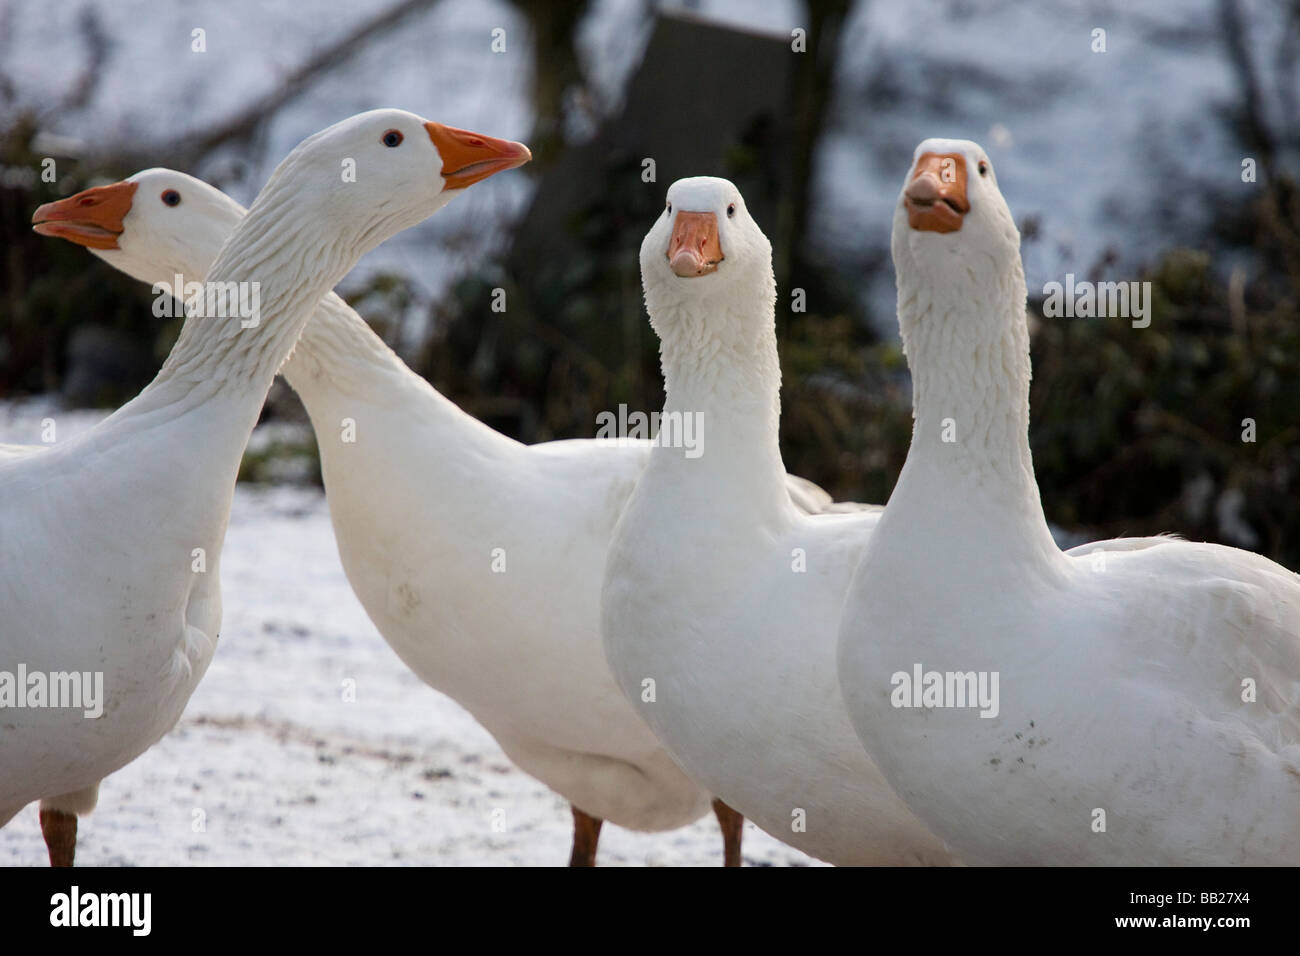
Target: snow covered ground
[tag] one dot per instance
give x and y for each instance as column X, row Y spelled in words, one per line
column 279, row 769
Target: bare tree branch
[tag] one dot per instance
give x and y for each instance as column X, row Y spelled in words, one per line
column 246, row 124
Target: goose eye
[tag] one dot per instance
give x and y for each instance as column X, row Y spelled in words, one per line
column 669, row 209
column 171, row 197
column 731, row 210
column 984, row 168
column 392, row 138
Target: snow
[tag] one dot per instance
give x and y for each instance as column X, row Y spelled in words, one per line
column 280, row 769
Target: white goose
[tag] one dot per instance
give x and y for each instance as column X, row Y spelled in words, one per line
column 422, row 500
column 1147, row 706
column 721, row 600
column 99, row 567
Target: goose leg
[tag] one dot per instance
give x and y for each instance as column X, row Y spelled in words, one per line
column 59, row 822
column 731, row 823
column 60, row 831
column 586, row 833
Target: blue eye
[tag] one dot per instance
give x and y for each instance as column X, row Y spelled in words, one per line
column 171, row 197
column 731, row 211
column 392, row 138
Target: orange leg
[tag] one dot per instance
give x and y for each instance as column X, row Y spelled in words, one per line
column 586, row 834
column 60, row 830
column 731, row 824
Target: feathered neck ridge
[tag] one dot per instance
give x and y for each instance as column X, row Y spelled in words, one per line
column 967, row 343
column 719, row 358
column 340, row 357
column 292, row 270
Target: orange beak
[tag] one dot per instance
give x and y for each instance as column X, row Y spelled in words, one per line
column 694, row 249
column 936, row 197
column 92, row 218
column 469, row 157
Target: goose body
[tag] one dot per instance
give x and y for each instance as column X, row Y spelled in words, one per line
column 479, row 559
column 110, row 542
column 488, row 589
column 1149, row 688
column 720, row 603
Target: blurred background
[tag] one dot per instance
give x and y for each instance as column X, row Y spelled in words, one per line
column 1123, row 164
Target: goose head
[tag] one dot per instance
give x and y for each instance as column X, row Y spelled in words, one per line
column 368, row 177
column 374, row 174
column 705, row 252
column 955, row 246
column 152, row 226
column 951, row 213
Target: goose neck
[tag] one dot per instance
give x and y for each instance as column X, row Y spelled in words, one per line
column 257, row 298
column 969, row 467
column 722, row 369
column 339, row 355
